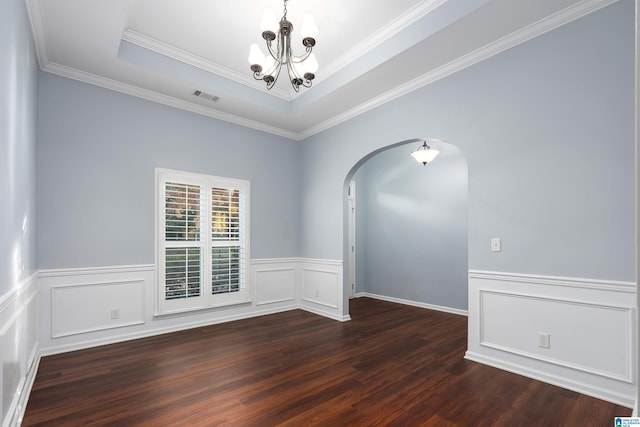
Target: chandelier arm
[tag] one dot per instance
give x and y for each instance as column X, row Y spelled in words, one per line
column 307, row 78
column 274, row 74
column 293, row 73
column 274, row 54
column 307, row 82
column 261, row 74
column 274, row 69
column 270, row 76
column 294, row 78
column 303, row 57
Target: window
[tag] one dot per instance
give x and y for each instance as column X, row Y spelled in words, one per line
column 202, row 241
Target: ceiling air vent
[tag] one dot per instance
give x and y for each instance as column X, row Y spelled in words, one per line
column 204, row 95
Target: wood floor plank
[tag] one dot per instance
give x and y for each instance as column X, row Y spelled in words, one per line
column 390, row 365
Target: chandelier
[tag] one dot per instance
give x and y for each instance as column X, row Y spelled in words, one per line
column 301, row 69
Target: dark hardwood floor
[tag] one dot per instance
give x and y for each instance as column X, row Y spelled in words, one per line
column 390, row 365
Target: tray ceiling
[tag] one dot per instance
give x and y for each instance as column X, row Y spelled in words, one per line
column 369, row 51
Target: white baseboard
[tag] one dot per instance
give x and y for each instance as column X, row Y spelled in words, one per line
column 566, row 383
column 413, row 303
column 21, row 406
column 122, row 337
column 328, row 314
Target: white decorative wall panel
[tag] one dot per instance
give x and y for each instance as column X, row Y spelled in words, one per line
column 89, row 307
column 77, row 305
column 588, row 337
column 86, row 307
column 590, row 324
column 320, row 287
column 274, row 283
column 18, row 349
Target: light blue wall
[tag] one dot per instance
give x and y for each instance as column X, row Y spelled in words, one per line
column 97, row 152
column 547, row 128
column 18, row 95
column 411, row 222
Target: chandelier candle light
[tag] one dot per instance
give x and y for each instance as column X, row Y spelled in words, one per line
column 301, row 69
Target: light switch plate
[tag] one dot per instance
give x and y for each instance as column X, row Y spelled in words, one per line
column 496, row 245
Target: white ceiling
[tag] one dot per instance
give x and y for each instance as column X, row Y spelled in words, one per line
column 369, row 51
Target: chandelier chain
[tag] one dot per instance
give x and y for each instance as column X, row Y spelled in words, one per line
column 284, row 16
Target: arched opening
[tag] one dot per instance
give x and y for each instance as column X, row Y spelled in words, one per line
column 410, row 239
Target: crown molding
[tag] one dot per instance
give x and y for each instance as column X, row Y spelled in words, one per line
column 391, row 29
column 543, row 26
column 173, row 52
column 82, row 76
column 34, row 11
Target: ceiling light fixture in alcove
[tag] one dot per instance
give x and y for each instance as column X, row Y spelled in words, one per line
column 425, row 154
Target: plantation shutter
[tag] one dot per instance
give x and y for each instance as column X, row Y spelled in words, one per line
column 227, row 248
column 183, row 255
column 203, row 241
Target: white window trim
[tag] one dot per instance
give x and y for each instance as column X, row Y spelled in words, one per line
column 206, row 300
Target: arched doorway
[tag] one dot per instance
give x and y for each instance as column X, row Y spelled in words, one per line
column 410, row 227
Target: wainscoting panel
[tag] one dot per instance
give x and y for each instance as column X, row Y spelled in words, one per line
column 322, row 288
column 588, row 337
column 274, row 281
column 590, row 326
column 89, row 307
column 18, row 349
column 84, row 307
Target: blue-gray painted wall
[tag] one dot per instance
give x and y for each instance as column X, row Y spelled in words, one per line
column 411, row 223
column 411, row 226
column 18, row 95
column 18, row 120
column 97, row 153
column 547, row 128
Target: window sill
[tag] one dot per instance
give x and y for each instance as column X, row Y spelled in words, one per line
column 212, row 306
